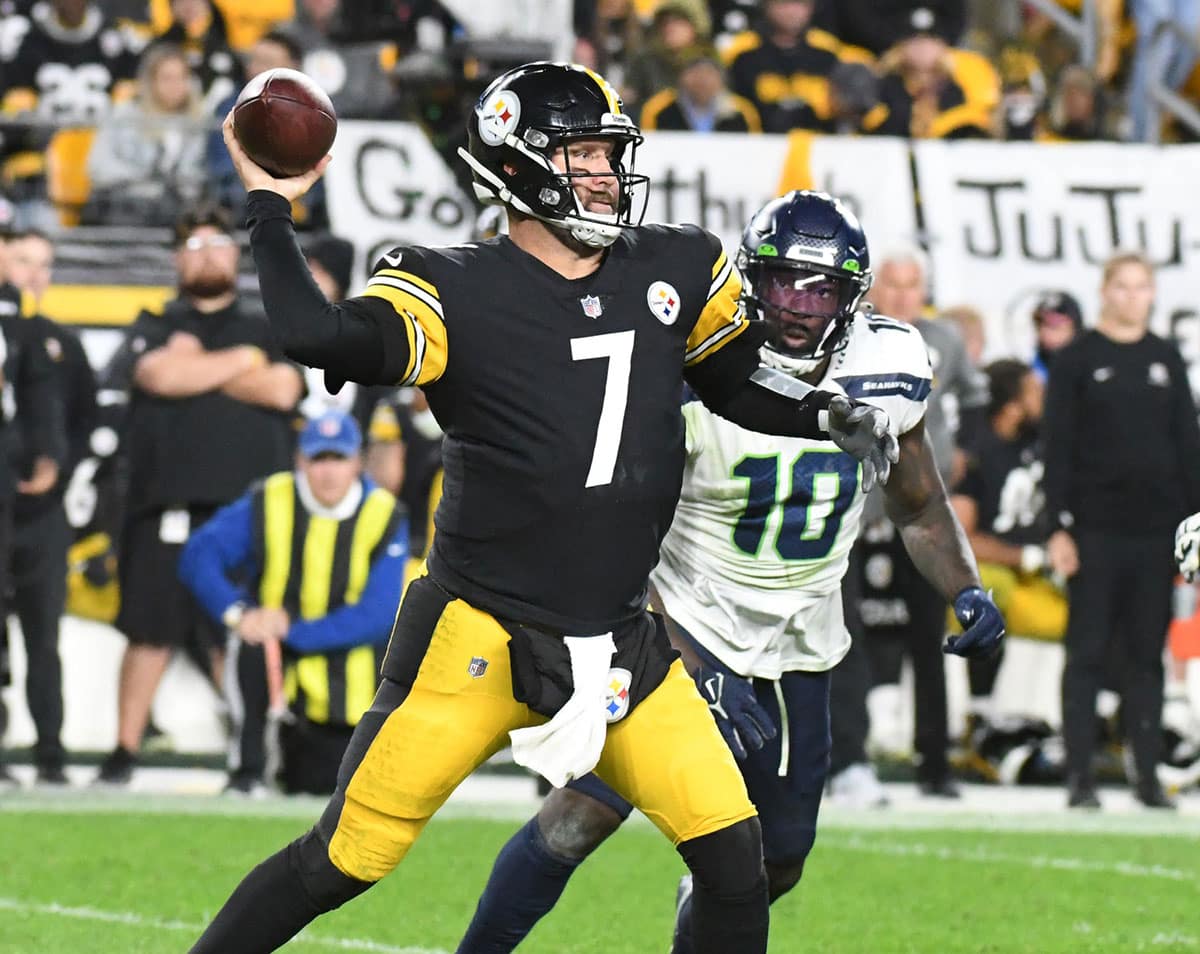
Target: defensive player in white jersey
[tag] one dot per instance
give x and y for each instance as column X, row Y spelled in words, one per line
column 750, row 572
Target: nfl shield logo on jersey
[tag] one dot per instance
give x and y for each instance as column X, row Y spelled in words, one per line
column 477, row 667
column 616, row 694
column 591, row 306
column 663, row 300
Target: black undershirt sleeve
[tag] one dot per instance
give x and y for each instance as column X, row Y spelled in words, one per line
column 353, row 340
column 722, row 382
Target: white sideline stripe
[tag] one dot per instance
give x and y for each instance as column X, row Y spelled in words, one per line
column 157, row 924
column 1125, row 868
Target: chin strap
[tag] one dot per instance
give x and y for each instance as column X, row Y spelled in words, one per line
column 786, row 363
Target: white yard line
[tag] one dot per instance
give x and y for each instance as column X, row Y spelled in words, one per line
column 157, row 924
column 1054, row 862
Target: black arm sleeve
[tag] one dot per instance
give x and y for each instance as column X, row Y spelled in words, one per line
column 723, row 383
column 347, row 338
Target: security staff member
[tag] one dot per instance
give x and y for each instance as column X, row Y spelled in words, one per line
column 1122, row 444
column 321, row 551
column 209, row 414
column 40, row 533
column 32, row 447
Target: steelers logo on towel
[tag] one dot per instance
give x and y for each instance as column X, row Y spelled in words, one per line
column 616, row 694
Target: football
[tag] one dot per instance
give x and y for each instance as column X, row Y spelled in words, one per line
column 284, row 121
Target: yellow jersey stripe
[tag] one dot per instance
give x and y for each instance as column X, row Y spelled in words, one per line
column 379, row 282
column 722, row 318
column 721, row 275
column 368, row 529
column 360, row 682
column 312, row 673
column 279, row 506
column 426, row 331
column 319, row 546
column 718, row 339
column 421, row 283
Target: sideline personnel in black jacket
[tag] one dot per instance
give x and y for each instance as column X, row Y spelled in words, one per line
column 1122, row 454
column 41, row 535
column 32, row 444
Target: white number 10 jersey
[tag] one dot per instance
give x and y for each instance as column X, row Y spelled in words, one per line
column 753, row 562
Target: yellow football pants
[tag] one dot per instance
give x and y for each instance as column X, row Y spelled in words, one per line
column 667, row 757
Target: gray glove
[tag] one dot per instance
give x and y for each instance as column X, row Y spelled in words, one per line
column 861, row 430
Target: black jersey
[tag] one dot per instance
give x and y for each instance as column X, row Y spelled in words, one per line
column 559, row 398
column 1004, row 478
column 67, row 75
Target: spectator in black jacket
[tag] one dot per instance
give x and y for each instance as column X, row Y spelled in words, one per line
column 40, row 532
column 1122, row 445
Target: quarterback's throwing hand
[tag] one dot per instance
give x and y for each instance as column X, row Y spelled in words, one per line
column 744, row 723
column 1187, row 547
column 983, row 626
column 861, row 430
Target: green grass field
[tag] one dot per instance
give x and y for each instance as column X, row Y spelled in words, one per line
column 86, row 877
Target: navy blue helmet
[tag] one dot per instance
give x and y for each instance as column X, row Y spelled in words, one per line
column 806, row 268
column 530, row 115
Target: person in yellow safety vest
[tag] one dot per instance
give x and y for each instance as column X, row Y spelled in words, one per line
column 313, row 559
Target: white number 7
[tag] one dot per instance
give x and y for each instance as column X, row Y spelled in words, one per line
column 618, row 349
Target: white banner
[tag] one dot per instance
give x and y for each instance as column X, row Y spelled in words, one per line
column 388, row 186
column 1008, row 220
column 718, row 181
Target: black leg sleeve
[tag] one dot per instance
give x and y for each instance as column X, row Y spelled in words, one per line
column 729, row 908
column 277, row 899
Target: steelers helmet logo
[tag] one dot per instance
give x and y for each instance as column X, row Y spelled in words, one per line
column 498, row 116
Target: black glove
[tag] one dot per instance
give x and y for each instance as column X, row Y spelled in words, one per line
column 983, row 626
column 742, row 721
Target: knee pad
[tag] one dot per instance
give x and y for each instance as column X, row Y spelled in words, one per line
column 573, row 825
column 729, row 862
column 328, row 887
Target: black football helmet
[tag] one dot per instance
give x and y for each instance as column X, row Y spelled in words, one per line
column 523, row 118
column 806, row 267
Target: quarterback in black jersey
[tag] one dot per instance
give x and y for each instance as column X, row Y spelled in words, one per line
column 553, row 358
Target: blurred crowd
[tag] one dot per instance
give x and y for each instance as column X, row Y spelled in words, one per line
column 109, row 108
column 110, row 115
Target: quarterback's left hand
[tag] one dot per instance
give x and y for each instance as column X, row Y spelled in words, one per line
column 983, row 626
column 1187, row 547
column 861, row 430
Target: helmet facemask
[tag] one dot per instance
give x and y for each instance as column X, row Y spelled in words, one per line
column 807, row 310
column 548, row 184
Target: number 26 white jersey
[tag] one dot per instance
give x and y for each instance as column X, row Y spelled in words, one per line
column 753, row 562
